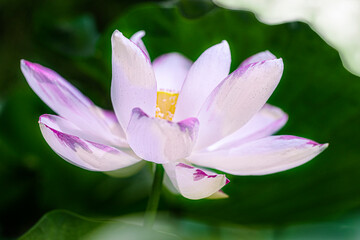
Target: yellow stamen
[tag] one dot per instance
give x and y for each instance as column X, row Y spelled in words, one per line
column 166, row 104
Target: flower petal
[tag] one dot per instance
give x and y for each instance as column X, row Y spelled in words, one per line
column 204, row 75
column 264, row 156
column 66, row 140
column 170, row 71
column 194, row 183
column 158, row 140
column 56, row 92
column 115, row 136
column 236, row 99
column 264, row 123
column 137, row 39
column 133, row 80
column 261, row 56
column 64, row 99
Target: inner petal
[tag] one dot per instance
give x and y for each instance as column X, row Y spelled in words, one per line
column 166, row 104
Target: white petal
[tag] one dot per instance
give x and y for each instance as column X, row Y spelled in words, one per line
column 170, row 71
column 236, row 99
column 133, row 80
column 114, row 135
column 54, row 90
column 65, row 139
column 204, row 75
column 194, row 183
column 137, row 39
column 264, row 156
column 158, row 140
column 261, row 56
column 264, row 123
column 70, row 103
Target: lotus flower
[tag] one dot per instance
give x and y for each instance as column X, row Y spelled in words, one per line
column 190, row 117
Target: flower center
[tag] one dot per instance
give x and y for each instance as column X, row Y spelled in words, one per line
column 166, row 104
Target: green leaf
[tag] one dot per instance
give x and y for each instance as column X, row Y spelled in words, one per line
column 60, row 224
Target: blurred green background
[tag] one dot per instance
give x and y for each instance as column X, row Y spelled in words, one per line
column 73, row 38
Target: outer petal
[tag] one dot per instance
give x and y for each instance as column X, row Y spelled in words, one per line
column 137, row 39
column 133, row 80
column 204, row 75
column 264, row 123
column 261, row 56
column 57, row 93
column 236, row 99
column 158, row 140
column 85, row 154
column 54, row 90
column 264, row 156
column 194, row 183
column 70, row 103
column 170, row 71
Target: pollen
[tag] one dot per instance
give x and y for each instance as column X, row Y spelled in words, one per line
column 166, row 104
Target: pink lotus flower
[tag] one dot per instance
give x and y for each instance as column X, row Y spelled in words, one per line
column 177, row 113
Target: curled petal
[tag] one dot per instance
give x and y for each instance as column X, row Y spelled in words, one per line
column 70, row 103
column 264, row 156
column 66, row 140
column 264, row 123
column 170, row 71
column 236, row 99
column 158, row 140
column 204, row 75
column 195, row 183
column 133, row 80
column 137, row 39
column 56, row 92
